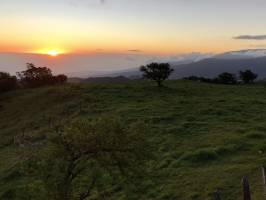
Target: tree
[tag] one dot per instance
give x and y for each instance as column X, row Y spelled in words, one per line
column 226, row 78
column 35, row 76
column 158, row 72
column 7, row 82
column 247, row 76
column 81, row 160
column 39, row 76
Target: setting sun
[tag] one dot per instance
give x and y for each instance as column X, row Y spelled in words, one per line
column 53, row 53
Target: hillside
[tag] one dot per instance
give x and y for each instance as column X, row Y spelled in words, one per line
column 211, row 67
column 204, row 136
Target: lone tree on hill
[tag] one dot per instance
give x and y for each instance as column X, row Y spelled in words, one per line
column 247, row 76
column 158, row 72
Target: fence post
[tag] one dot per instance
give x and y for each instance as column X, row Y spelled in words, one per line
column 246, row 190
column 216, row 195
column 264, row 180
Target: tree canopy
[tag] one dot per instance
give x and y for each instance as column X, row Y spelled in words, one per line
column 39, row 76
column 78, row 161
column 158, row 72
column 247, row 76
column 226, row 78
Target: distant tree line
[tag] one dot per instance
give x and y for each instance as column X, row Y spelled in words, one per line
column 32, row 77
column 245, row 77
column 159, row 72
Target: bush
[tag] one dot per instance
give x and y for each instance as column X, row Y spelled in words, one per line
column 223, row 78
column 226, row 78
column 7, row 82
column 78, row 158
column 60, row 79
column 247, row 76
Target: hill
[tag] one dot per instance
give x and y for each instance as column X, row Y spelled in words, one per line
column 211, row 67
column 204, row 136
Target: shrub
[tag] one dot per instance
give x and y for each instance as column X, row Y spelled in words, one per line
column 60, row 79
column 247, row 76
column 86, row 154
column 226, row 78
column 7, row 82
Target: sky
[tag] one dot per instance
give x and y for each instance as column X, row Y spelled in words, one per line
column 139, row 27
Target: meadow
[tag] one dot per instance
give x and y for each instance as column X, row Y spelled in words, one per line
column 204, row 136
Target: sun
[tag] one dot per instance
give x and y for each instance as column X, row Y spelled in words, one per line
column 53, row 53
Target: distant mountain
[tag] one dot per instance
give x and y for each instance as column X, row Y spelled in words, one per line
column 213, row 66
column 242, row 54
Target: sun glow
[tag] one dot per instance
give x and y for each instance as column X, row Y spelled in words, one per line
column 52, row 53
column 49, row 52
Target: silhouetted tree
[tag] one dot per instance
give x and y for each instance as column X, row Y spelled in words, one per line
column 247, row 76
column 226, row 78
column 35, row 76
column 158, row 72
column 7, row 82
column 39, row 76
column 87, row 155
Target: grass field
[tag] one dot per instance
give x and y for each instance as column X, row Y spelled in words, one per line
column 204, row 136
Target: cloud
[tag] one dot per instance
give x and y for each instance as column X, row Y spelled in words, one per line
column 250, row 37
column 134, row 50
column 183, row 58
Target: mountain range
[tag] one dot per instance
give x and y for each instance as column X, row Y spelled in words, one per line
column 233, row 62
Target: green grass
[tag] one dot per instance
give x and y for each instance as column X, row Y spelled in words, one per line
column 204, row 136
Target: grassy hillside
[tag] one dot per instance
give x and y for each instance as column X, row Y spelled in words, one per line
column 204, row 136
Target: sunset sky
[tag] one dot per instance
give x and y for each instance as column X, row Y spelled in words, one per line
column 150, row 27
